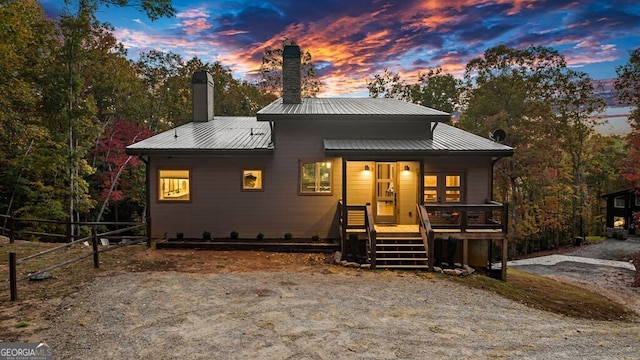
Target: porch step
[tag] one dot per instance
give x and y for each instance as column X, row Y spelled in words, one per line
column 405, row 251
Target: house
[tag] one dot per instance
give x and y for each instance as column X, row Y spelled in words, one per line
column 320, row 167
column 623, row 208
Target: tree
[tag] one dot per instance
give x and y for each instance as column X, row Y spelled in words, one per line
column 627, row 86
column 271, row 72
column 433, row 89
column 509, row 89
column 575, row 103
column 27, row 40
column 113, row 161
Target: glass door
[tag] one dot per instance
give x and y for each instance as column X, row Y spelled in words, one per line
column 386, row 196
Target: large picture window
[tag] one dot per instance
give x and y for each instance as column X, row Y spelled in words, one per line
column 443, row 187
column 315, row 177
column 175, row 185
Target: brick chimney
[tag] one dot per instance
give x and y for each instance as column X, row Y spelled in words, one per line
column 291, row 79
column 202, row 92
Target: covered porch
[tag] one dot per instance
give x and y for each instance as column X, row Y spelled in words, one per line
column 475, row 226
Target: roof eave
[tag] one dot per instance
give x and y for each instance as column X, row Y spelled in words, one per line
column 341, row 117
column 172, row 152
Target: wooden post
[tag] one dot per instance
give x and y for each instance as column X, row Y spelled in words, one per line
column 12, row 230
column 148, row 232
column 68, row 229
column 12, row 276
column 94, row 238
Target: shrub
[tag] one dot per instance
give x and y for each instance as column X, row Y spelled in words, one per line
column 180, row 236
column 206, row 235
column 234, row 234
column 288, row 236
column 260, row 236
column 315, row 237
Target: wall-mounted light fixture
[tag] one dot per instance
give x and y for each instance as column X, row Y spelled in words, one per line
column 366, row 168
column 406, row 168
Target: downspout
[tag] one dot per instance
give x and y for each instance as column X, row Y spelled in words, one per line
column 147, row 184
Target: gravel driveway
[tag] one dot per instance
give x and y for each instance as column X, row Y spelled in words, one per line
column 323, row 314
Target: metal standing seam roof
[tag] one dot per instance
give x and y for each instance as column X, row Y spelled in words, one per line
column 446, row 139
column 365, row 107
column 225, row 134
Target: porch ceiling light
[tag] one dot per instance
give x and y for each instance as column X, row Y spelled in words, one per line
column 366, row 168
column 406, row 168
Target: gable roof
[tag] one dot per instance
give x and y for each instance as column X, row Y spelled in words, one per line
column 366, row 108
column 447, row 140
column 225, row 134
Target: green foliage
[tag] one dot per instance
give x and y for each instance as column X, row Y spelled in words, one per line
column 271, row 71
column 315, row 237
column 206, row 235
column 260, row 236
column 288, row 236
column 234, row 234
column 180, row 236
column 433, row 89
column 627, row 86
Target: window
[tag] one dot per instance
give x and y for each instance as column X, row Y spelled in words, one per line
column 637, row 200
column 315, row 177
column 452, row 188
column 174, row 185
column 430, row 188
column 252, row 180
column 618, row 202
column 442, row 188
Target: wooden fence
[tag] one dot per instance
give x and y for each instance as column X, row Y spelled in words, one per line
column 123, row 234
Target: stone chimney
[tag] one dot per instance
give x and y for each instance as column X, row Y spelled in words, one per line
column 202, row 93
column 291, row 79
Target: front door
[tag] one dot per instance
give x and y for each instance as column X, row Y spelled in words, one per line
column 386, row 198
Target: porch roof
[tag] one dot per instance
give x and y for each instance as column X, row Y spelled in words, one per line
column 366, row 109
column 446, row 140
column 223, row 134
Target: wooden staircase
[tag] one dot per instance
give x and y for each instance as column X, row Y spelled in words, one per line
column 400, row 251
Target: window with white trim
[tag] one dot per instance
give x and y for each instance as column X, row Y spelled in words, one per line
column 618, row 202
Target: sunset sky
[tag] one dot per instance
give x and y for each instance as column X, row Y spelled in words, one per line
column 351, row 40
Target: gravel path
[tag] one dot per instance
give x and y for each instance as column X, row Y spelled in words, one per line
column 317, row 315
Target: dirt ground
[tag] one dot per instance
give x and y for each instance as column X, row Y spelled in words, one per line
column 611, row 282
column 233, row 305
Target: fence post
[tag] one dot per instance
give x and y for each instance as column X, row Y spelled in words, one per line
column 12, row 276
column 94, row 240
column 12, row 230
column 68, row 229
column 148, row 232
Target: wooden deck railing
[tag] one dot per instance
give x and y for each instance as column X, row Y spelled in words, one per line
column 486, row 221
column 358, row 219
column 427, row 233
column 490, row 216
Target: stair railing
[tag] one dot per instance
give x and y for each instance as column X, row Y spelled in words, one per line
column 427, row 234
column 371, row 235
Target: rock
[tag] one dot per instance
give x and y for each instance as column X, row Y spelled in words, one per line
column 454, row 272
column 337, row 257
column 437, row 269
column 365, row 266
column 351, row 264
column 343, row 262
